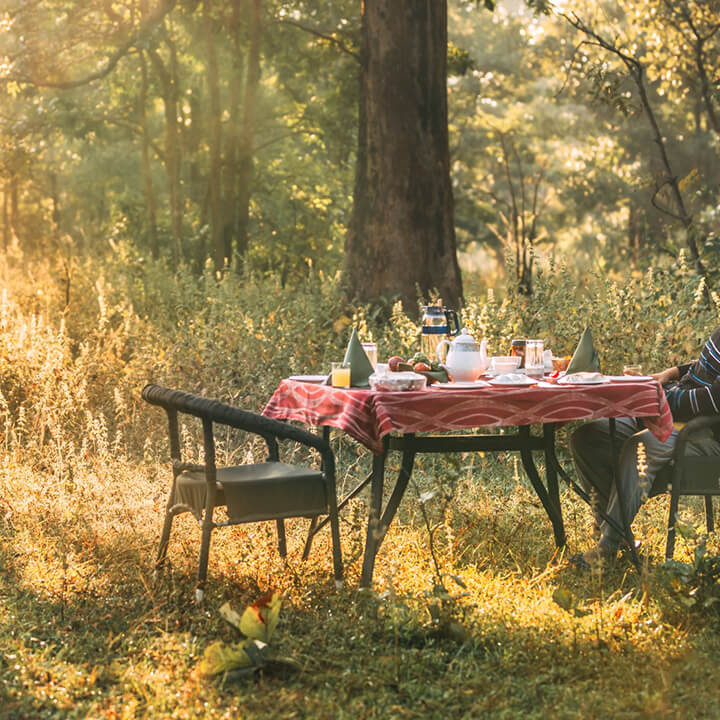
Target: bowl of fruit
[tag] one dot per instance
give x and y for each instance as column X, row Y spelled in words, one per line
column 400, row 372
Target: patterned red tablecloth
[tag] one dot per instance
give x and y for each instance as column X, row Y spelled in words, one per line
column 367, row 416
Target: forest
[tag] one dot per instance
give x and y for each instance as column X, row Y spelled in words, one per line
column 211, row 196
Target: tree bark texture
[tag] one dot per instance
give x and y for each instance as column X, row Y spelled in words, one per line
column 401, row 237
column 247, row 129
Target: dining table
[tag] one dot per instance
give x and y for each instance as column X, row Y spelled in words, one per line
column 464, row 418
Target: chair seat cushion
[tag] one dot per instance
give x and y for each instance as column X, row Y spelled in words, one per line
column 263, row 491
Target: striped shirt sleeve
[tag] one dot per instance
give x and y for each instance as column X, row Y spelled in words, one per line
column 686, row 403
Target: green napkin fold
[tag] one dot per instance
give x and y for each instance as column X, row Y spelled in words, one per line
column 585, row 358
column 360, row 366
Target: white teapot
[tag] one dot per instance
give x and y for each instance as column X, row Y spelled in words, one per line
column 466, row 360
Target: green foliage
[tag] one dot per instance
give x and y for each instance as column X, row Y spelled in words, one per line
column 696, row 585
column 257, row 623
column 659, row 317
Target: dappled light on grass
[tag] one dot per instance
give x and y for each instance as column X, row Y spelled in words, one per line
column 82, row 615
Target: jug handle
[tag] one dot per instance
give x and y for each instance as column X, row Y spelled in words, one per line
column 452, row 318
column 444, row 341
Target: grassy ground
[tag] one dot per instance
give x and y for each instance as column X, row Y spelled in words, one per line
column 85, row 633
column 501, row 627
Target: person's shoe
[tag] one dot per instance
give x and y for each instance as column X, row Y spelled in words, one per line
column 597, row 557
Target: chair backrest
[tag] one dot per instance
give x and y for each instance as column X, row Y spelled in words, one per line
column 213, row 411
column 691, row 474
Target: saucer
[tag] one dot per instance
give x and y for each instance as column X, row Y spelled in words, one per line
column 459, row 385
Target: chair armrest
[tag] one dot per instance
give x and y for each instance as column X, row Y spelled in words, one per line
column 701, row 422
column 224, row 414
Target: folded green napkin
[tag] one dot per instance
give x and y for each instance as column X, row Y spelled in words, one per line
column 360, row 366
column 585, row 358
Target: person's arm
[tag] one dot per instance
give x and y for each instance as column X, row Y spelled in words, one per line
column 687, row 403
column 673, row 373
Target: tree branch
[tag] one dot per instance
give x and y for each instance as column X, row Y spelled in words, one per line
column 143, row 31
column 323, row 36
column 637, row 72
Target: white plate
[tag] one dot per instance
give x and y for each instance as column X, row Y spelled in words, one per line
column 317, row 379
column 628, row 378
column 459, row 385
column 583, row 378
column 513, row 379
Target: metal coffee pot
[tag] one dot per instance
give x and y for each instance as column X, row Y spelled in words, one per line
column 438, row 323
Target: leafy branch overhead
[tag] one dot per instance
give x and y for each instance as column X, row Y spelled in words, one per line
column 637, row 71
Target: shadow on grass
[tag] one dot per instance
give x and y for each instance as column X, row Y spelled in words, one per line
column 113, row 640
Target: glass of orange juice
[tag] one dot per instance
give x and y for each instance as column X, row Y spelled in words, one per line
column 340, row 374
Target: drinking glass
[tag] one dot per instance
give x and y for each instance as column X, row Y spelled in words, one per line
column 632, row 370
column 517, row 347
column 534, row 361
column 340, row 374
column 370, row 349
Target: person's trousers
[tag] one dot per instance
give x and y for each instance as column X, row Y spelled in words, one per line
column 640, row 457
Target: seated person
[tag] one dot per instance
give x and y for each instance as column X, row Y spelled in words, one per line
column 691, row 390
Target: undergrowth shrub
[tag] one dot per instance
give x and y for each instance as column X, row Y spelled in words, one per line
column 72, row 364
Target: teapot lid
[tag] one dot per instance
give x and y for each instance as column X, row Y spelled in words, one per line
column 464, row 338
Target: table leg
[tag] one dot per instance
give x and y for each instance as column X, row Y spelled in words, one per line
column 371, row 541
column 552, row 508
column 378, row 523
column 552, row 476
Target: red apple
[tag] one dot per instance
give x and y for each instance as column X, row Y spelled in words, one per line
column 394, row 363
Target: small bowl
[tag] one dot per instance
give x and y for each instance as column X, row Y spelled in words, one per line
column 502, row 364
column 397, row 381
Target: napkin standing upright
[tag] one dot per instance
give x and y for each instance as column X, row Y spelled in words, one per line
column 360, row 366
column 585, row 357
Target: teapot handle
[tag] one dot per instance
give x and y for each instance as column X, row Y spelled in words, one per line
column 444, row 341
column 452, row 319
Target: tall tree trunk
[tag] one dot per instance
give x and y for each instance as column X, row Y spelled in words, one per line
column 150, row 211
column 215, row 139
column 247, row 130
column 401, row 237
column 230, row 165
column 169, row 94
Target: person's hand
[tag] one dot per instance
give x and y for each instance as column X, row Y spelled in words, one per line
column 666, row 376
